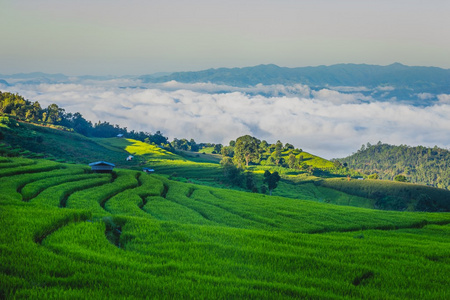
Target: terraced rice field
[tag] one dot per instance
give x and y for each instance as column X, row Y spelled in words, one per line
column 67, row 233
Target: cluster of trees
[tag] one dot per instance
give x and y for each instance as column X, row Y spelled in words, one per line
column 248, row 150
column 419, row 164
column 191, row 145
column 184, row 144
column 16, row 106
column 246, row 179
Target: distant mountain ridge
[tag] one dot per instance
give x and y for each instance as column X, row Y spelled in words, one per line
column 334, row 75
column 407, row 81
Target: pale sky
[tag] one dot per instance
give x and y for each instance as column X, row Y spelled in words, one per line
column 119, row 37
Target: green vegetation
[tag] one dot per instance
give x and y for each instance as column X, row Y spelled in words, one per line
column 149, row 236
column 419, row 164
column 394, row 195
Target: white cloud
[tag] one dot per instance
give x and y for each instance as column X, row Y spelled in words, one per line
column 385, row 88
column 339, row 98
column 208, row 87
column 350, row 88
column 425, row 96
column 444, row 98
column 330, row 124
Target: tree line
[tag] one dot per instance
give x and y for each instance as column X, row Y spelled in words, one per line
column 418, row 164
column 21, row 109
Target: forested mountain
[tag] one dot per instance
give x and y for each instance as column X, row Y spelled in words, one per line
column 399, row 80
column 419, row 164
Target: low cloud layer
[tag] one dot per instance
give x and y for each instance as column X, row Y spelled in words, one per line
column 327, row 122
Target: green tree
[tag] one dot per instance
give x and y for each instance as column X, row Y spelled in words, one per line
column 271, row 161
column 232, row 174
column 217, row 148
column 227, row 151
column 250, row 181
column 400, row 178
column 193, row 146
column 53, row 114
column 272, row 180
column 246, row 150
column 373, row 176
column 288, row 147
column 264, row 145
column 292, row 161
column 277, row 153
column 337, row 164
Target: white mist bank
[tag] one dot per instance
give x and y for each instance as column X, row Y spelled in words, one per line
column 326, row 123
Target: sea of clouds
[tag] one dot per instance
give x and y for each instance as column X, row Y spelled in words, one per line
column 331, row 122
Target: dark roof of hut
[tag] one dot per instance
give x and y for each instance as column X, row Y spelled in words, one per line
column 98, row 163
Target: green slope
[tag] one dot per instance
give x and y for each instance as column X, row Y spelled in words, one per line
column 32, row 140
column 37, row 141
column 143, row 236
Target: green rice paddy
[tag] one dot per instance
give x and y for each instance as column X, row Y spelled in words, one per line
column 67, row 233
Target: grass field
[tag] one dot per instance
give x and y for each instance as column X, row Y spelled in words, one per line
column 133, row 235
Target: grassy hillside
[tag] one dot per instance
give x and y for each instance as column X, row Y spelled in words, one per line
column 206, row 171
column 35, row 141
column 133, row 235
column 38, row 141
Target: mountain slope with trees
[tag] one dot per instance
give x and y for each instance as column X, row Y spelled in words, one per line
column 418, row 164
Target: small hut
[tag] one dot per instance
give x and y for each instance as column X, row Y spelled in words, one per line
column 120, row 135
column 102, row 167
column 148, row 170
column 130, row 157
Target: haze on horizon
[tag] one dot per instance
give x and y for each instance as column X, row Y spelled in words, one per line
column 142, row 37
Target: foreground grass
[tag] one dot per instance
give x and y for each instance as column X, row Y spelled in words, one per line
column 141, row 236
